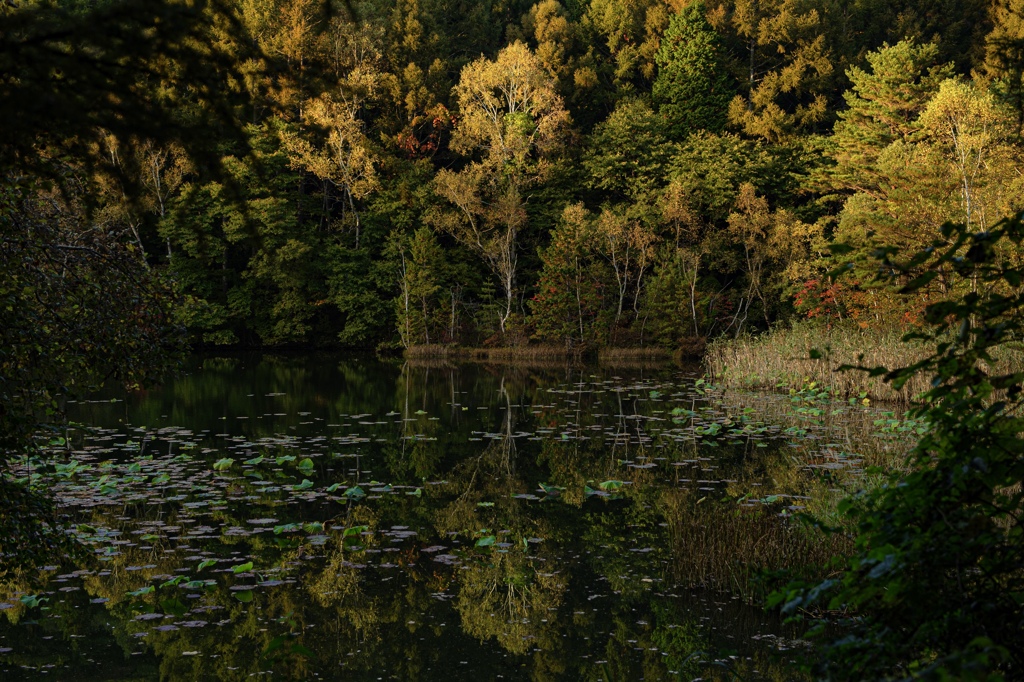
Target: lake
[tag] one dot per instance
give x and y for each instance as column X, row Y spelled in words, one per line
column 318, row 516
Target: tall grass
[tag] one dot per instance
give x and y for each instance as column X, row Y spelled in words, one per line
column 782, row 358
column 497, row 353
column 610, row 356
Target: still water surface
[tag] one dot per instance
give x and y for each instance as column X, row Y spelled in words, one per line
column 337, row 518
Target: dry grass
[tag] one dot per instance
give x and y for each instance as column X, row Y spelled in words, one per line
column 782, row 357
column 497, row 353
column 543, row 354
column 648, row 353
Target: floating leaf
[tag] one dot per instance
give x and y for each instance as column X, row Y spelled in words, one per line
column 611, row 485
column 255, row 460
column 242, row 568
column 332, row 487
column 244, row 596
column 305, row 485
column 552, row 489
column 196, row 584
column 32, row 600
column 206, row 564
column 485, row 541
column 354, row 492
column 223, row 464
column 141, row 591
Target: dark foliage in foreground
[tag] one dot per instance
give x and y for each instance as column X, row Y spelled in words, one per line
column 936, row 589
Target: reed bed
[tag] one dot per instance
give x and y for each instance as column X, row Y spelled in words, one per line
column 497, row 353
column 782, row 358
column 540, row 353
column 647, row 353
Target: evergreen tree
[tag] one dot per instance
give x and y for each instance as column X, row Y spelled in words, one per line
column 883, row 103
column 692, row 89
column 1004, row 54
column 628, row 153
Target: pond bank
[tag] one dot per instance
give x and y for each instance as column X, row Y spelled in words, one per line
column 529, row 353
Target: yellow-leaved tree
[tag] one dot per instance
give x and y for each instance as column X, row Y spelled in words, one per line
column 511, row 121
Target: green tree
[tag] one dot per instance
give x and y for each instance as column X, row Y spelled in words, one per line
column 628, row 33
column 418, row 258
column 569, row 305
column 628, row 153
column 692, row 88
column 883, row 106
column 934, row 586
column 1004, row 54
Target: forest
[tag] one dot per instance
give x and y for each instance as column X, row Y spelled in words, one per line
column 752, row 180
column 625, row 173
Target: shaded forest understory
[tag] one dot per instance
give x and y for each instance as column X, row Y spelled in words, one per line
column 579, row 175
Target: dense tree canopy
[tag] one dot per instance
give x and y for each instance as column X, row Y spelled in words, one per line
column 299, row 177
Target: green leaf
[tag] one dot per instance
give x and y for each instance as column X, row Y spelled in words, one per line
column 305, row 485
column 485, row 541
column 223, row 464
column 552, row 489
column 206, row 564
column 244, row 596
column 242, row 568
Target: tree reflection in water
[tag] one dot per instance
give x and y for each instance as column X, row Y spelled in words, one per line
column 412, row 521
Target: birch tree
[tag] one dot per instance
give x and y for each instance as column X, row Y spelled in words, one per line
column 511, row 122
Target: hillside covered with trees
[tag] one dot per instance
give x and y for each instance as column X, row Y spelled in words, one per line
column 502, row 172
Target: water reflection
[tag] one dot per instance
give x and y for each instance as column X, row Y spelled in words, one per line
column 316, row 517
